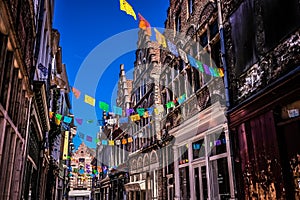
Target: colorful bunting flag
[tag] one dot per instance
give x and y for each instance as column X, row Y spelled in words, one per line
column 57, row 121
column 89, row 138
column 192, row 61
column 146, row 114
column 172, row 48
column 196, row 146
column 76, row 92
column 170, row 104
column 67, row 119
column 81, row 135
column 125, row 6
column 124, row 141
column 181, row 99
column 150, row 110
column 129, row 111
column 118, row 142
column 58, row 116
column 51, row 114
column 79, row 121
column 160, row 38
column 111, row 143
column 206, row 69
column 89, row 100
column 118, row 110
column 221, row 73
column 199, row 65
column 140, row 111
column 104, row 106
column 218, row 142
column 90, row 121
column 130, row 140
column 183, row 55
column 104, row 142
column 144, row 25
column 135, row 117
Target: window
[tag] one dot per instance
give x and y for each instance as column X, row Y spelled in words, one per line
column 198, row 149
column 178, row 22
column 204, row 39
column 184, row 180
column 279, row 18
column 191, row 6
column 217, row 143
column 213, row 29
column 243, row 36
column 183, row 154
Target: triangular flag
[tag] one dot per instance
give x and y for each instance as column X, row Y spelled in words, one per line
column 118, row 110
column 118, row 142
column 104, row 106
column 183, row 55
column 216, row 72
column 51, row 114
column 124, row 141
column 129, row 111
column 125, row 6
column 221, row 73
column 89, row 100
column 212, row 72
column 79, row 121
column 67, row 119
column 144, row 25
column 170, row 104
column 172, row 48
column 57, row 121
column 76, row 92
column 160, row 38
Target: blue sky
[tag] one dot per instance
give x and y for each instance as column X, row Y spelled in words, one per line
column 91, row 32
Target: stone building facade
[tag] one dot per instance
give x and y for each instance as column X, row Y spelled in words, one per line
column 27, row 52
column 200, row 153
column 262, row 51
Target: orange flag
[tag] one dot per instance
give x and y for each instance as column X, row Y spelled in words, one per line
column 144, row 24
column 76, row 92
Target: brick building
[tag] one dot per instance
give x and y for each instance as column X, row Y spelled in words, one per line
column 262, row 51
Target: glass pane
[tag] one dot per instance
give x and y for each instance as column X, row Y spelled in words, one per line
column 217, row 143
column 219, row 179
column 197, row 183
column 183, row 154
column 204, row 182
column 198, row 149
column 184, row 179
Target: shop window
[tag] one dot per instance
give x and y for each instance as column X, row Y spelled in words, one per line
column 198, row 149
column 243, row 36
column 183, row 154
column 279, row 19
column 184, row 181
column 217, row 143
column 220, row 188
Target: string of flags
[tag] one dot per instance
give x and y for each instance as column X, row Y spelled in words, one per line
column 160, row 38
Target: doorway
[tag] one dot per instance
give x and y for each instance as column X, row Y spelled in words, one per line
column 200, row 186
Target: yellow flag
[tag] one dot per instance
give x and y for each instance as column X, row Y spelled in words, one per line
column 89, row 100
column 125, row 6
column 111, row 142
column 160, row 38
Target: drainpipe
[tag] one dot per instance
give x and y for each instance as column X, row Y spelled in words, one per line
column 223, row 57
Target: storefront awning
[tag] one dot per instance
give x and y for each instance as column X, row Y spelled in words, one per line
column 135, row 186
